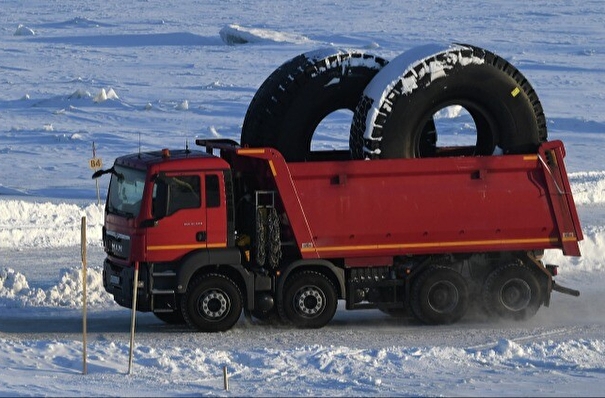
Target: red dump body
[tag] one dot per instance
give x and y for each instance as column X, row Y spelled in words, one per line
column 363, row 210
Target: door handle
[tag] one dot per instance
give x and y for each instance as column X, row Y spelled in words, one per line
column 201, row 236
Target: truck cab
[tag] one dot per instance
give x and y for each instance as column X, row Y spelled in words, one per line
column 162, row 206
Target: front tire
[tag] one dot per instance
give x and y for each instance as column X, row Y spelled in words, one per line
column 309, row 300
column 212, row 303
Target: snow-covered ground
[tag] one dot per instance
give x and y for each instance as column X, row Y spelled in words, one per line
column 141, row 74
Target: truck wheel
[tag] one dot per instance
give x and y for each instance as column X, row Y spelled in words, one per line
column 212, row 303
column 439, row 295
column 309, row 300
column 287, row 108
column 393, row 118
column 512, row 291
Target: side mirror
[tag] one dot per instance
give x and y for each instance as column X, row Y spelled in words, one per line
column 99, row 173
column 113, row 171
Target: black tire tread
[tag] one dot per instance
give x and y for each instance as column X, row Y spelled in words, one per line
column 283, row 116
column 362, row 147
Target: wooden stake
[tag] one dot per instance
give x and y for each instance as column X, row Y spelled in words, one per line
column 225, row 378
column 134, row 311
column 84, row 302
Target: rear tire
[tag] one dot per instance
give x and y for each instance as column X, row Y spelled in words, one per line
column 212, row 303
column 287, row 108
column 439, row 296
column 391, row 119
column 512, row 291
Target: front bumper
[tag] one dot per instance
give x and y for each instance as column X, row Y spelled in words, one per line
column 117, row 280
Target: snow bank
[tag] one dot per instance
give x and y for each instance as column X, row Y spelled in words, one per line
column 23, row 30
column 588, row 187
column 235, row 34
column 592, row 249
column 27, row 225
column 105, row 95
column 16, row 292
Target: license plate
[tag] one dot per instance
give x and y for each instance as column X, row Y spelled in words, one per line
column 114, row 279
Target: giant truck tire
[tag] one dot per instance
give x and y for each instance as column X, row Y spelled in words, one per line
column 394, row 117
column 287, row 108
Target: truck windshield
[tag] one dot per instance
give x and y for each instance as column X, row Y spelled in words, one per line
column 125, row 191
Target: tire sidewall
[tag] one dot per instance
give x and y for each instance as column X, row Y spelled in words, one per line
column 419, row 300
column 482, row 89
column 493, row 288
column 201, row 286
column 293, row 286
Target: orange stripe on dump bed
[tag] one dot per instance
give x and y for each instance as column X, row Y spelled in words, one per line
column 496, row 242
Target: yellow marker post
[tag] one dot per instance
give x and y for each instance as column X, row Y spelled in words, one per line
column 95, row 164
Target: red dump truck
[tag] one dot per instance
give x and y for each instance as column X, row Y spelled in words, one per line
column 229, row 228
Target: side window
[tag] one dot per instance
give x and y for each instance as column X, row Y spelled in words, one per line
column 213, row 195
column 171, row 194
column 183, row 193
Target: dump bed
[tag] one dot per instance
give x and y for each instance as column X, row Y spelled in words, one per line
column 361, row 209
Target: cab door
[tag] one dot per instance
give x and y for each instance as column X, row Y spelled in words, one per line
column 180, row 218
column 189, row 209
column 216, row 210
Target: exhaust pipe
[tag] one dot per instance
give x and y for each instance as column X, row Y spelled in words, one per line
column 565, row 290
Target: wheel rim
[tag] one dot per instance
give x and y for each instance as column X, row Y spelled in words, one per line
column 443, row 297
column 213, row 304
column 309, row 301
column 515, row 294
